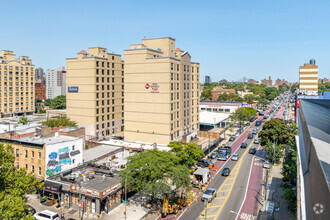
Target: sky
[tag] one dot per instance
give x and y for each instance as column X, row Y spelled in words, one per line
column 229, row 38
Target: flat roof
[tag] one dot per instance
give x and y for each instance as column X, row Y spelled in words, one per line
column 155, row 38
column 212, row 118
column 99, row 151
column 46, row 140
column 317, row 116
column 103, row 179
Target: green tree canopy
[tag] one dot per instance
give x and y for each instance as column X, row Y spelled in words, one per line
column 223, row 97
column 243, row 114
column 155, row 171
column 23, row 120
column 58, row 103
column 206, row 94
column 188, row 154
column 14, row 184
column 60, row 121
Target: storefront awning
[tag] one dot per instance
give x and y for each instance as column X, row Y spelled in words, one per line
column 52, row 187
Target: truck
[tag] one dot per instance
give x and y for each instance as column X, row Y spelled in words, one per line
column 224, row 153
column 200, row 177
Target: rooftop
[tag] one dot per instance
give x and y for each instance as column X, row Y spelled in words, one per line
column 99, row 151
column 135, row 144
column 104, row 177
column 317, row 116
column 212, row 118
column 46, row 140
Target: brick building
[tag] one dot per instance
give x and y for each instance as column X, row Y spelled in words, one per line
column 40, row 90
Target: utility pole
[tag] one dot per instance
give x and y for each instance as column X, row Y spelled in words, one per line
column 79, row 183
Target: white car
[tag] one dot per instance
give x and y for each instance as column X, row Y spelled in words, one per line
column 46, row 215
column 266, row 165
column 256, row 141
column 234, row 157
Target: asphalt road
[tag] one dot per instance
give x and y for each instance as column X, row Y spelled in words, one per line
column 237, row 193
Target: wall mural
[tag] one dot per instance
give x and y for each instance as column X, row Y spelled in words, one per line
column 59, row 159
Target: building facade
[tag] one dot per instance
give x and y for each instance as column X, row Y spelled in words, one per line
column 39, row 74
column 45, row 157
column 207, row 79
column 161, row 93
column 268, row 81
column 16, row 85
column 40, row 90
column 95, row 95
column 308, row 78
column 54, row 82
column 216, row 91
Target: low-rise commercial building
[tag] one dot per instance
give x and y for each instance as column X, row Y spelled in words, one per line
column 90, row 187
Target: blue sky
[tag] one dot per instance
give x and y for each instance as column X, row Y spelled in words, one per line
column 231, row 39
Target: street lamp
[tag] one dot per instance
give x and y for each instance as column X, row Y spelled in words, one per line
column 126, row 189
column 274, row 146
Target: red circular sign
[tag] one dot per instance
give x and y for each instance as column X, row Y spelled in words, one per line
column 147, row 86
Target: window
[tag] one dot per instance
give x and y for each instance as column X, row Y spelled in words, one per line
column 32, row 154
column 39, row 155
column 26, row 167
column 17, row 165
column 171, row 76
column 72, row 147
column 32, row 168
column 171, row 66
column 73, row 160
column 177, row 67
column 17, row 152
column 39, row 171
column 26, row 154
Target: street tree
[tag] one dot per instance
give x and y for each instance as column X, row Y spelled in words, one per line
column 155, row 172
column 223, row 97
column 188, row 154
column 14, row 185
column 23, row 120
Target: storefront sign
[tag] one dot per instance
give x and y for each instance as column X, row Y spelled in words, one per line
column 111, row 189
column 147, row 86
column 74, row 153
column 85, row 190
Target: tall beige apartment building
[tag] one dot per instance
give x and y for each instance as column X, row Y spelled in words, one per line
column 308, row 78
column 95, row 91
column 161, row 93
column 16, row 85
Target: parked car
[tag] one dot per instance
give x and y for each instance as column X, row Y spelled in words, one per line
column 29, row 209
column 213, row 155
column 46, row 215
column 232, row 138
column 243, row 145
column 226, row 172
column 252, row 150
column 254, row 131
column 209, row 195
column 234, row 157
column 266, row 116
column 257, row 127
column 258, row 123
column 250, row 136
column 204, row 163
column 266, row 164
column 225, row 145
column 256, row 141
column 247, row 124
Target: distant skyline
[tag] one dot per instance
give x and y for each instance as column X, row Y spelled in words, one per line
column 230, row 39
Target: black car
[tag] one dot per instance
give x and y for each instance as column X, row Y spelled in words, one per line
column 205, row 163
column 247, row 124
column 29, row 209
column 213, row 155
column 243, row 145
column 232, row 138
column 226, row 172
column 239, row 130
column 266, row 116
column 252, row 150
column 250, row 136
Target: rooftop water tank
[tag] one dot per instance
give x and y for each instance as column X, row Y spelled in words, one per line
column 312, row 61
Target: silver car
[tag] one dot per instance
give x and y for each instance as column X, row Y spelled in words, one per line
column 267, row 165
column 256, row 141
column 234, row 157
column 209, row 195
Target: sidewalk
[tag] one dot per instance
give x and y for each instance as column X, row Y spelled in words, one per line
column 275, row 192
